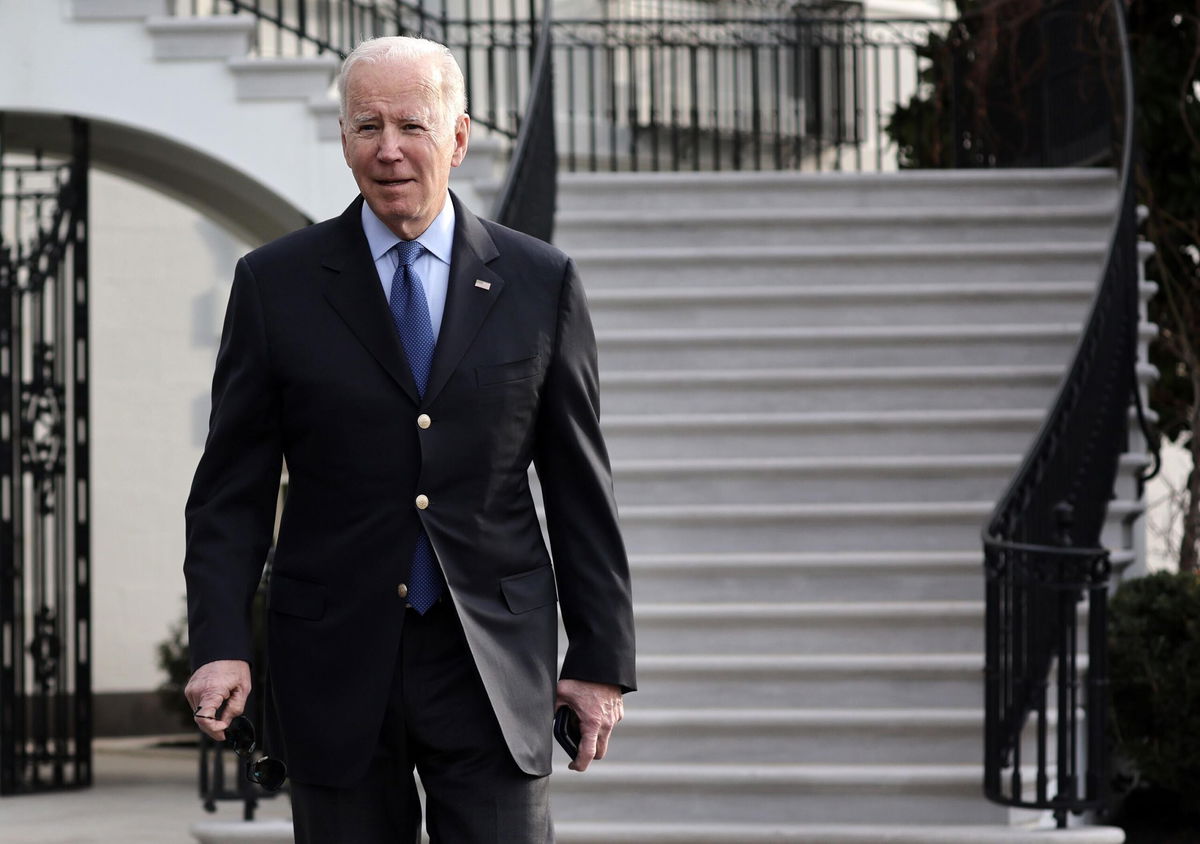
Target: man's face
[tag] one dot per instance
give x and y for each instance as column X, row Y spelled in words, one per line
column 396, row 142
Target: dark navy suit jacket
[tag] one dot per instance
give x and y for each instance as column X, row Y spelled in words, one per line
column 310, row 370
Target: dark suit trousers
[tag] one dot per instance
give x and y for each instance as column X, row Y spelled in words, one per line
column 439, row 721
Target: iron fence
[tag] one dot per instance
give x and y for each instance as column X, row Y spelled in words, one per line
column 793, row 93
column 761, row 87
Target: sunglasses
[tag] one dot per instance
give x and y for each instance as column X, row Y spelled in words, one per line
column 266, row 772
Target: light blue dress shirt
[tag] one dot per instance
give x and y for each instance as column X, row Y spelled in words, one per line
column 433, row 267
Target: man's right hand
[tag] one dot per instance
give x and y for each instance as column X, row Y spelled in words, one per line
column 218, row 689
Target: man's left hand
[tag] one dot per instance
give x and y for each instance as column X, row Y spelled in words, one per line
column 599, row 707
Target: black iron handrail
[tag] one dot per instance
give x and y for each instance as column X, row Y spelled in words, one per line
column 328, row 27
column 1042, row 545
column 527, row 198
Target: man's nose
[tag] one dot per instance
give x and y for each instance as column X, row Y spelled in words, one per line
column 391, row 146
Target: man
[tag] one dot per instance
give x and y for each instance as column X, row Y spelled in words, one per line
column 409, row 361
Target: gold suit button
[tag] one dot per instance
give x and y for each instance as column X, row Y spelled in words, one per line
column 402, row 590
column 423, row 421
column 422, row 502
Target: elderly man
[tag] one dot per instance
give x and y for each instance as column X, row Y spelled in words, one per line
column 409, row 361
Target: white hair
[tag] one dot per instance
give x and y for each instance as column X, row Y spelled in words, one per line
column 446, row 75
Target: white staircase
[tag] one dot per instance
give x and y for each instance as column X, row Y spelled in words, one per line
column 815, row 388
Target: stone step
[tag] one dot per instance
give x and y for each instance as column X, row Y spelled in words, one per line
column 858, row 433
column 749, row 832
column 812, row 480
column 754, row 307
column 326, row 110
column 853, row 526
column 103, row 10
column 743, row 577
column 811, row 390
column 899, row 265
column 302, row 79
column 274, row 831
column 930, row 678
column 895, row 627
column 851, row 345
column 911, row 189
column 648, row 349
column 725, row 435
column 280, row 832
column 771, row 391
column 838, row 736
column 766, row 793
column 190, row 39
column 636, row 228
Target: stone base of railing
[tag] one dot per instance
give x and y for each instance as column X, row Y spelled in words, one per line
column 117, row 9
column 229, row 832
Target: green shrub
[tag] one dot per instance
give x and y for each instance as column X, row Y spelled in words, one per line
column 1154, row 652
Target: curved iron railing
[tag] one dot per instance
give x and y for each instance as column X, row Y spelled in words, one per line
column 1047, row 571
column 527, row 198
column 289, row 28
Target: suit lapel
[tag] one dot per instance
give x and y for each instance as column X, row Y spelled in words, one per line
column 467, row 303
column 352, row 288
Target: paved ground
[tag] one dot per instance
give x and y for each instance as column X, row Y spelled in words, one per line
column 143, row 794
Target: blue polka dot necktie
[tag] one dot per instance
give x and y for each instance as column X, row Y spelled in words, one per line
column 410, row 312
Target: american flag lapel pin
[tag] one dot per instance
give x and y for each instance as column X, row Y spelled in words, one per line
column 483, row 285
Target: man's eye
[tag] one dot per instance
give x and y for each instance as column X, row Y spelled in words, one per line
column 366, row 127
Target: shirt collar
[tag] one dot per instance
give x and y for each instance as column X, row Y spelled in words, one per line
column 437, row 239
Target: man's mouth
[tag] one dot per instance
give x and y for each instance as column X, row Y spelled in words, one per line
column 392, row 182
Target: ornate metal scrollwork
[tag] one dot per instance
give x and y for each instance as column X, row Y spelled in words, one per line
column 43, row 427
column 45, row 690
column 46, row 647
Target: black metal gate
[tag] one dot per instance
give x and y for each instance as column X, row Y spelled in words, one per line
column 45, row 548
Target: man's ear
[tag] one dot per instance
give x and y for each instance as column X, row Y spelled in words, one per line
column 462, row 132
column 342, row 135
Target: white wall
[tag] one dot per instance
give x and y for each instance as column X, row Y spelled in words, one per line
column 159, row 272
